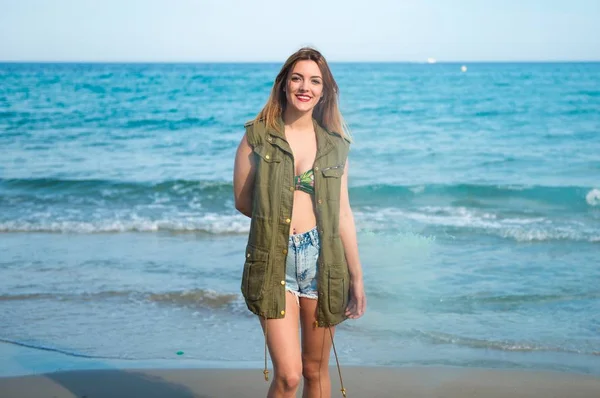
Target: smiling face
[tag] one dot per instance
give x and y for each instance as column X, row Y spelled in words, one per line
column 304, row 86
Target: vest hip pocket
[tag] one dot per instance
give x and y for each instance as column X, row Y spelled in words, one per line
column 337, row 289
column 255, row 271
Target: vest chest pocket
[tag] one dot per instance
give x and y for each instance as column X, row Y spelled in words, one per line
column 255, row 270
column 268, row 164
column 332, row 178
column 334, row 171
column 268, row 153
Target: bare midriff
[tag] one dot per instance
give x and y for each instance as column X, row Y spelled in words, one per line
column 303, row 213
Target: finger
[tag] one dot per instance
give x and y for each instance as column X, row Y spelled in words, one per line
column 362, row 305
column 349, row 309
column 352, row 307
column 356, row 310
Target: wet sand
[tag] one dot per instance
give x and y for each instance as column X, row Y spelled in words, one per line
column 359, row 382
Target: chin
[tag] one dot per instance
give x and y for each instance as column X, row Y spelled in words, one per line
column 303, row 107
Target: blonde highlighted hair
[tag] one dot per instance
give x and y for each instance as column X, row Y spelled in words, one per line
column 326, row 112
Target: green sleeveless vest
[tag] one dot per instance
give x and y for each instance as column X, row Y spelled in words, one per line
column 263, row 279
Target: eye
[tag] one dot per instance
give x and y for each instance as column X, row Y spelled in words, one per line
column 295, row 78
column 316, row 81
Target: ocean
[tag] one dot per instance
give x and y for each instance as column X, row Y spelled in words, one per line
column 476, row 196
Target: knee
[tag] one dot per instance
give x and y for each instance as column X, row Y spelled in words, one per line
column 313, row 371
column 289, row 380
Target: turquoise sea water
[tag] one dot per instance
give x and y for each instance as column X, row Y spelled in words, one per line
column 476, row 197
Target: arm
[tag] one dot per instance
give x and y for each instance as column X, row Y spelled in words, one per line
column 358, row 302
column 243, row 177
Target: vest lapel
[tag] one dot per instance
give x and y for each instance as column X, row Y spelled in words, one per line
column 277, row 137
column 324, row 142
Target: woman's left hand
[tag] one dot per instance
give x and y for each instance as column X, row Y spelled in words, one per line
column 358, row 301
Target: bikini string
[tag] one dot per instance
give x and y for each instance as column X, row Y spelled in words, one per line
column 337, row 362
column 266, row 371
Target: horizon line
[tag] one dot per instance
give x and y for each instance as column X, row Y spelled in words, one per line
column 558, row 61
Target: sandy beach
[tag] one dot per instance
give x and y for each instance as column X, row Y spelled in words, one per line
column 359, row 382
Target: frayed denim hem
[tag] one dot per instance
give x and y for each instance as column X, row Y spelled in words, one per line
column 297, row 295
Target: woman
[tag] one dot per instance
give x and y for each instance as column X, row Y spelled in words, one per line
column 302, row 265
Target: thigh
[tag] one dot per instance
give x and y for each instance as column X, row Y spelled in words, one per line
column 283, row 338
column 316, row 341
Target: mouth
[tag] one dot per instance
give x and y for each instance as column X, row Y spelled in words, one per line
column 303, row 98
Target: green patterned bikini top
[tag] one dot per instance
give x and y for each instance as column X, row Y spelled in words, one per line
column 306, row 182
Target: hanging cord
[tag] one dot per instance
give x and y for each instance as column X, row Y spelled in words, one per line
column 337, row 362
column 266, row 371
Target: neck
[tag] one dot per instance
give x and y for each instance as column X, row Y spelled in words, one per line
column 297, row 121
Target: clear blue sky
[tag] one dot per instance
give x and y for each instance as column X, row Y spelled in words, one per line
column 269, row 30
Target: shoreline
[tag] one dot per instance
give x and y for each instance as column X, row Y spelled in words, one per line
column 410, row 382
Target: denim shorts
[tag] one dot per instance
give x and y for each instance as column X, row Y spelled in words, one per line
column 301, row 264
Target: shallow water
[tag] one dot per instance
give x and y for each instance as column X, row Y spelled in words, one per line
column 476, row 196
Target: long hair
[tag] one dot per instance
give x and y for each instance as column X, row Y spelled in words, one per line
column 326, row 112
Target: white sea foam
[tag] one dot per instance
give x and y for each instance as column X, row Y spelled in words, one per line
column 593, row 197
column 521, row 229
column 210, row 223
column 418, row 189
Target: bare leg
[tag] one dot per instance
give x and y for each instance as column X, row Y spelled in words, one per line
column 284, row 347
column 316, row 346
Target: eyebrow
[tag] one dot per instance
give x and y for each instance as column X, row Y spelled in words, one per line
column 312, row 77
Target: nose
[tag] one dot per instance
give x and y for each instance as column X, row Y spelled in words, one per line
column 304, row 86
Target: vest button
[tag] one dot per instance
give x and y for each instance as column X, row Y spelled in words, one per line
column 320, row 201
column 292, row 189
column 269, row 139
column 317, row 168
column 267, row 157
column 283, row 282
column 282, row 312
column 287, row 220
column 284, row 251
